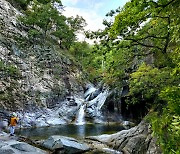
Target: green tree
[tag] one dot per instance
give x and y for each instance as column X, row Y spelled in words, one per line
column 147, row 82
column 166, row 126
column 67, row 28
column 148, row 24
column 45, row 19
column 40, row 16
column 25, row 3
column 144, row 29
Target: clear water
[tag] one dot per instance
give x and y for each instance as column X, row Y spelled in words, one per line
column 71, row 130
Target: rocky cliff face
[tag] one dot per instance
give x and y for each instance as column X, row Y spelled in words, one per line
column 34, row 75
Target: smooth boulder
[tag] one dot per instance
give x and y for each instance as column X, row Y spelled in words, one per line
column 53, row 143
column 69, row 145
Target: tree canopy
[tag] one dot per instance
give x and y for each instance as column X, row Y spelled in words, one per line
column 45, row 19
column 141, row 49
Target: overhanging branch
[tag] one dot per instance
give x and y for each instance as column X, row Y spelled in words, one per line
column 143, row 44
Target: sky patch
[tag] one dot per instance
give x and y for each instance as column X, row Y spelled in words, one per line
column 93, row 11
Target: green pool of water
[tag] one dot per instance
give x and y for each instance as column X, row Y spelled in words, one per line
column 71, row 130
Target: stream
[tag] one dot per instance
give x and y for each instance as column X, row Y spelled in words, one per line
column 71, row 130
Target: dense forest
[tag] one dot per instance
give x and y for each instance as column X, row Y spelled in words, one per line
column 139, row 49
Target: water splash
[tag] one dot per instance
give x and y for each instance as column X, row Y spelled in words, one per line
column 94, row 99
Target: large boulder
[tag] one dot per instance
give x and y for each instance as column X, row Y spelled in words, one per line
column 136, row 144
column 12, row 146
column 69, row 145
column 53, row 143
column 137, row 140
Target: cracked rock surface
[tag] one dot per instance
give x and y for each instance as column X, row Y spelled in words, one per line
column 11, row 145
column 137, row 140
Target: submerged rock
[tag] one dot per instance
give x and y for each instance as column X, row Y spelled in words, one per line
column 69, row 145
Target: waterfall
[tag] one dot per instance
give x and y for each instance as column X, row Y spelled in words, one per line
column 91, row 89
column 99, row 100
column 95, row 101
column 102, row 99
column 90, row 106
column 80, row 116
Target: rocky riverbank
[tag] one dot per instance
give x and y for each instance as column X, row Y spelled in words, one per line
column 12, row 145
column 137, row 140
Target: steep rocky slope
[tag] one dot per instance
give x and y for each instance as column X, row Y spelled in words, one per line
column 34, row 75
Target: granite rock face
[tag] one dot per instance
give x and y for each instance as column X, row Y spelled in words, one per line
column 137, row 140
column 35, row 78
column 39, row 81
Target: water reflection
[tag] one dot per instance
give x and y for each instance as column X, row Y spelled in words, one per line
column 81, row 131
column 76, row 131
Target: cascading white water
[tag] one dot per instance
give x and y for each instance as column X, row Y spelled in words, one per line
column 102, row 99
column 90, row 90
column 94, row 99
column 80, row 116
column 99, row 100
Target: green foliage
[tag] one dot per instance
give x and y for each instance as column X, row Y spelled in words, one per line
column 172, row 96
column 24, row 3
column 153, row 26
column 147, row 82
column 66, row 29
column 142, row 48
column 9, row 70
column 83, row 53
column 44, row 20
column 41, row 15
column 141, row 29
column 33, row 33
column 166, row 127
column 80, row 50
column 77, row 23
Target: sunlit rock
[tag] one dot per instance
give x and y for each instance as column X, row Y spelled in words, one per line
column 70, row 145
column 135, row 140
